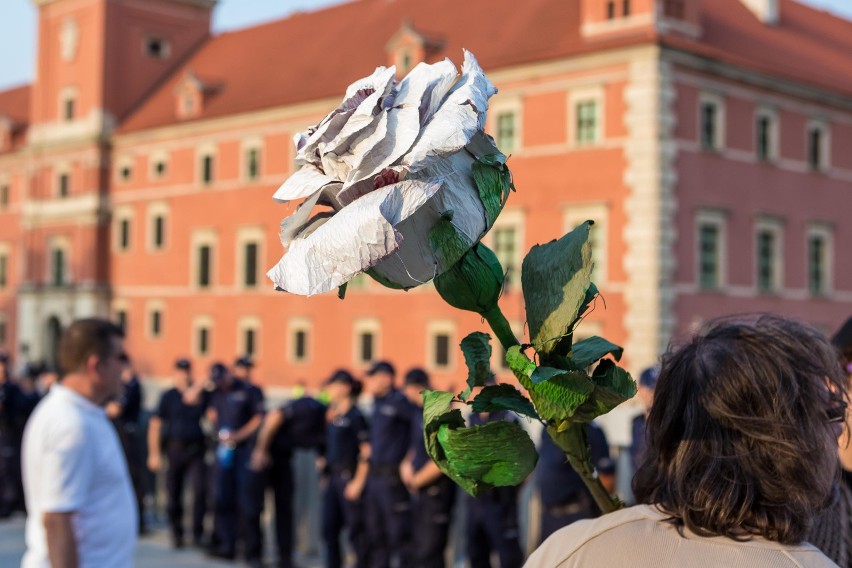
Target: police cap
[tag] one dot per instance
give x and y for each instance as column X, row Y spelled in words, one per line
column 417, row 377
column 341, row 376
column 382, row 367
column 183, row 364
column 649, row 377
column 218, row 371
column 244, row 362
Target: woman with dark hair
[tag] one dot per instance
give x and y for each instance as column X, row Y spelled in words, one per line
column 741, row 456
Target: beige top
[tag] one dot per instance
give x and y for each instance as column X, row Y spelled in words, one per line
column 636, row 537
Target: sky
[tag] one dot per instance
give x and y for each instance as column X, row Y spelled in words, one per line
column 18, row 27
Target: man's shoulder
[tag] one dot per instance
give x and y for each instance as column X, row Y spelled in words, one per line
column 56, row 417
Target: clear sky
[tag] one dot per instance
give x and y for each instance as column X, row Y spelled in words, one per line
column 18, row 27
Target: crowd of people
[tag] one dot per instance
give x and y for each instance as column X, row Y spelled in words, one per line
column 739, row 460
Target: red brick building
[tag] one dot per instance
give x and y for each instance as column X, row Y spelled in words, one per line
column 711, row 141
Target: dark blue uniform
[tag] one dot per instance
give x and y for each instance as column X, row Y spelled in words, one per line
column 387, row 502
column 492, row 519
column 637, row 445
column 184, row 443
column 345, row 434
column 564, row 496
column 10, row 443
column 303, row 428
column 127, row 424
column 235, row 488
column 432, row 505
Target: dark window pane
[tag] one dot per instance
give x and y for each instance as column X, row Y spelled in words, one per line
column 207, row 169
column 203, row 340
column 4, row 196
column 442, row 350
column 367, row 346
column 156, row 323
column 3, row 274
column 708, row 126
column 250, row 276
column 815, row 148
column 121, row 320
column 763, row 137
column 204, row 266
column 64, row 185
column 159, row 231
column 253, row 163
column 2, row 331
column 249, row 342
column 708, row 258
column 610, row 10
column 300, row 345
column 625, row 6
column 69, row 108
column 124, row 234
column 765, row 261
column 58, row 267
column 817, row 265
column 160, row 168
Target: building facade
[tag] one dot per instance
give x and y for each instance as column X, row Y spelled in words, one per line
column 711, row 142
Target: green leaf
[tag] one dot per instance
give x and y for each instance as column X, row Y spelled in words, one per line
column 613, row 385
column 493, row 181
column 589, row 350
column 503, row 397
column 474, row 282
column 558, row 397
column 374, row 274
column 496, row 454
column 446, row 242
column 437, row 412
column 521, row 365
column 477, row 356
column 555, row 278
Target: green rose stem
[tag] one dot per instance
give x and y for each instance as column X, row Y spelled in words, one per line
column 500, row 325
column 574, row 443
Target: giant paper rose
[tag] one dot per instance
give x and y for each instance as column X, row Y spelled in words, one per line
column 380, row 171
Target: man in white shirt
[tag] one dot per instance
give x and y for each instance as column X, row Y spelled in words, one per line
column 82, row 512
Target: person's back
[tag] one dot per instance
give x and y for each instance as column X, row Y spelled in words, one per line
column 640, row 537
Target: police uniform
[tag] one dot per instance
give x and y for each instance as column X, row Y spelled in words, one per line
column 235, row 490
column 184, row 443
column 492, row 518
column 564, row 496
column 387, row 501
column 10, row 462
column 303, row 428
column 432, row 505
column 344, row 437
column 127, row 424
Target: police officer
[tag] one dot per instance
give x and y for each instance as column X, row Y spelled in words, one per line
column 347, row 433
column 433, row 493
column 564, row 496
column 176, row 427
column 236, row 411
column 386, row 500
column 10, row 462
column 647, row 384
column 492, row 518
column 299, row 424
column 125, row 412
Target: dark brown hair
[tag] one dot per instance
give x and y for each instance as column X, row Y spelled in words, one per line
column 738, row 438
column 84, row 338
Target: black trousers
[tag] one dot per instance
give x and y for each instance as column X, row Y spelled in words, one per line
column 432, row 512
column 11, row 495
column 388, row 517
column 280, row 479
column 338, row 513
column 186, row 462
column 237, row 508
column 492, row 525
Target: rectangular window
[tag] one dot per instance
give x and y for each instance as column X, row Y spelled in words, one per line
column 121, row 320
column 766, row 261
column 2, row 331
column 505, row 247
column 250, row 265
column 203, row 340
column 160, row 168
column 4, row 196
column 300, row 345
column 204, row 276
column 156, row 323
column 442, row 350
column 253, row 163
column 68, row 109
column 610, row 10
column 366, row 348
column 126, row 173
column 207, row 169
column 64, row 185
column 815, row 148
column 709, row 119
column 625, row 7
column 159, row 229
column 764, row 138
column 124, row 234
column 58, row 267
column 506, row 131
column 817, row 265
column 587, row 122
column 709, row 255
column 249, row 339
column 4, row 277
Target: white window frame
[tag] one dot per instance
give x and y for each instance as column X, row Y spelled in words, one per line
column 826, row 232
column 246, row 235
column 774, row 130
column 64, row 244
column 515, row 106
column 775, row 226
column 122, row 163
column 199, row 238
column 434, row 329
column 719, row 219
column 200, row 154
column 825, row 157
column 248, row 145
column 366, row 325
column 122, row 214
column 62, row 169
column 245, row 324
column 155, row 158
column 199, row 323
column 576, row 213
column 511, row 218
column 306, row 326
column 721, row 115
column 150, row 307
column 156, row 209
column 595, row 94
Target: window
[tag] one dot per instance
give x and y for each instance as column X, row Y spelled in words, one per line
column 160, row 168
column 768, row 243
column 4, row 268
column 442, row 350
column 121, row 320
column 250, row 265
column 625, row 7
column 204, row 262
column 610, row 10
column 709, row 256
column 158, row 231
column 299, row 334
column 207, row 163
column 366, row 347
column 156, row 48
column 505, row 247
column 58, row 266
column 156, row 323
column 300, row 345
column 764, row 138
column 203, row 340
column 126, row 173
column 68, row 108
column 819, row 262
column 439, row 349
column 506, row 131
column 4, row 196
column 366, row 341
column 124, row 234
column 709, row 125
column 64, row 185
column 587, row 122
column 817, row 147
column 253, row 163
column 249, row 339
column 3, row 332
